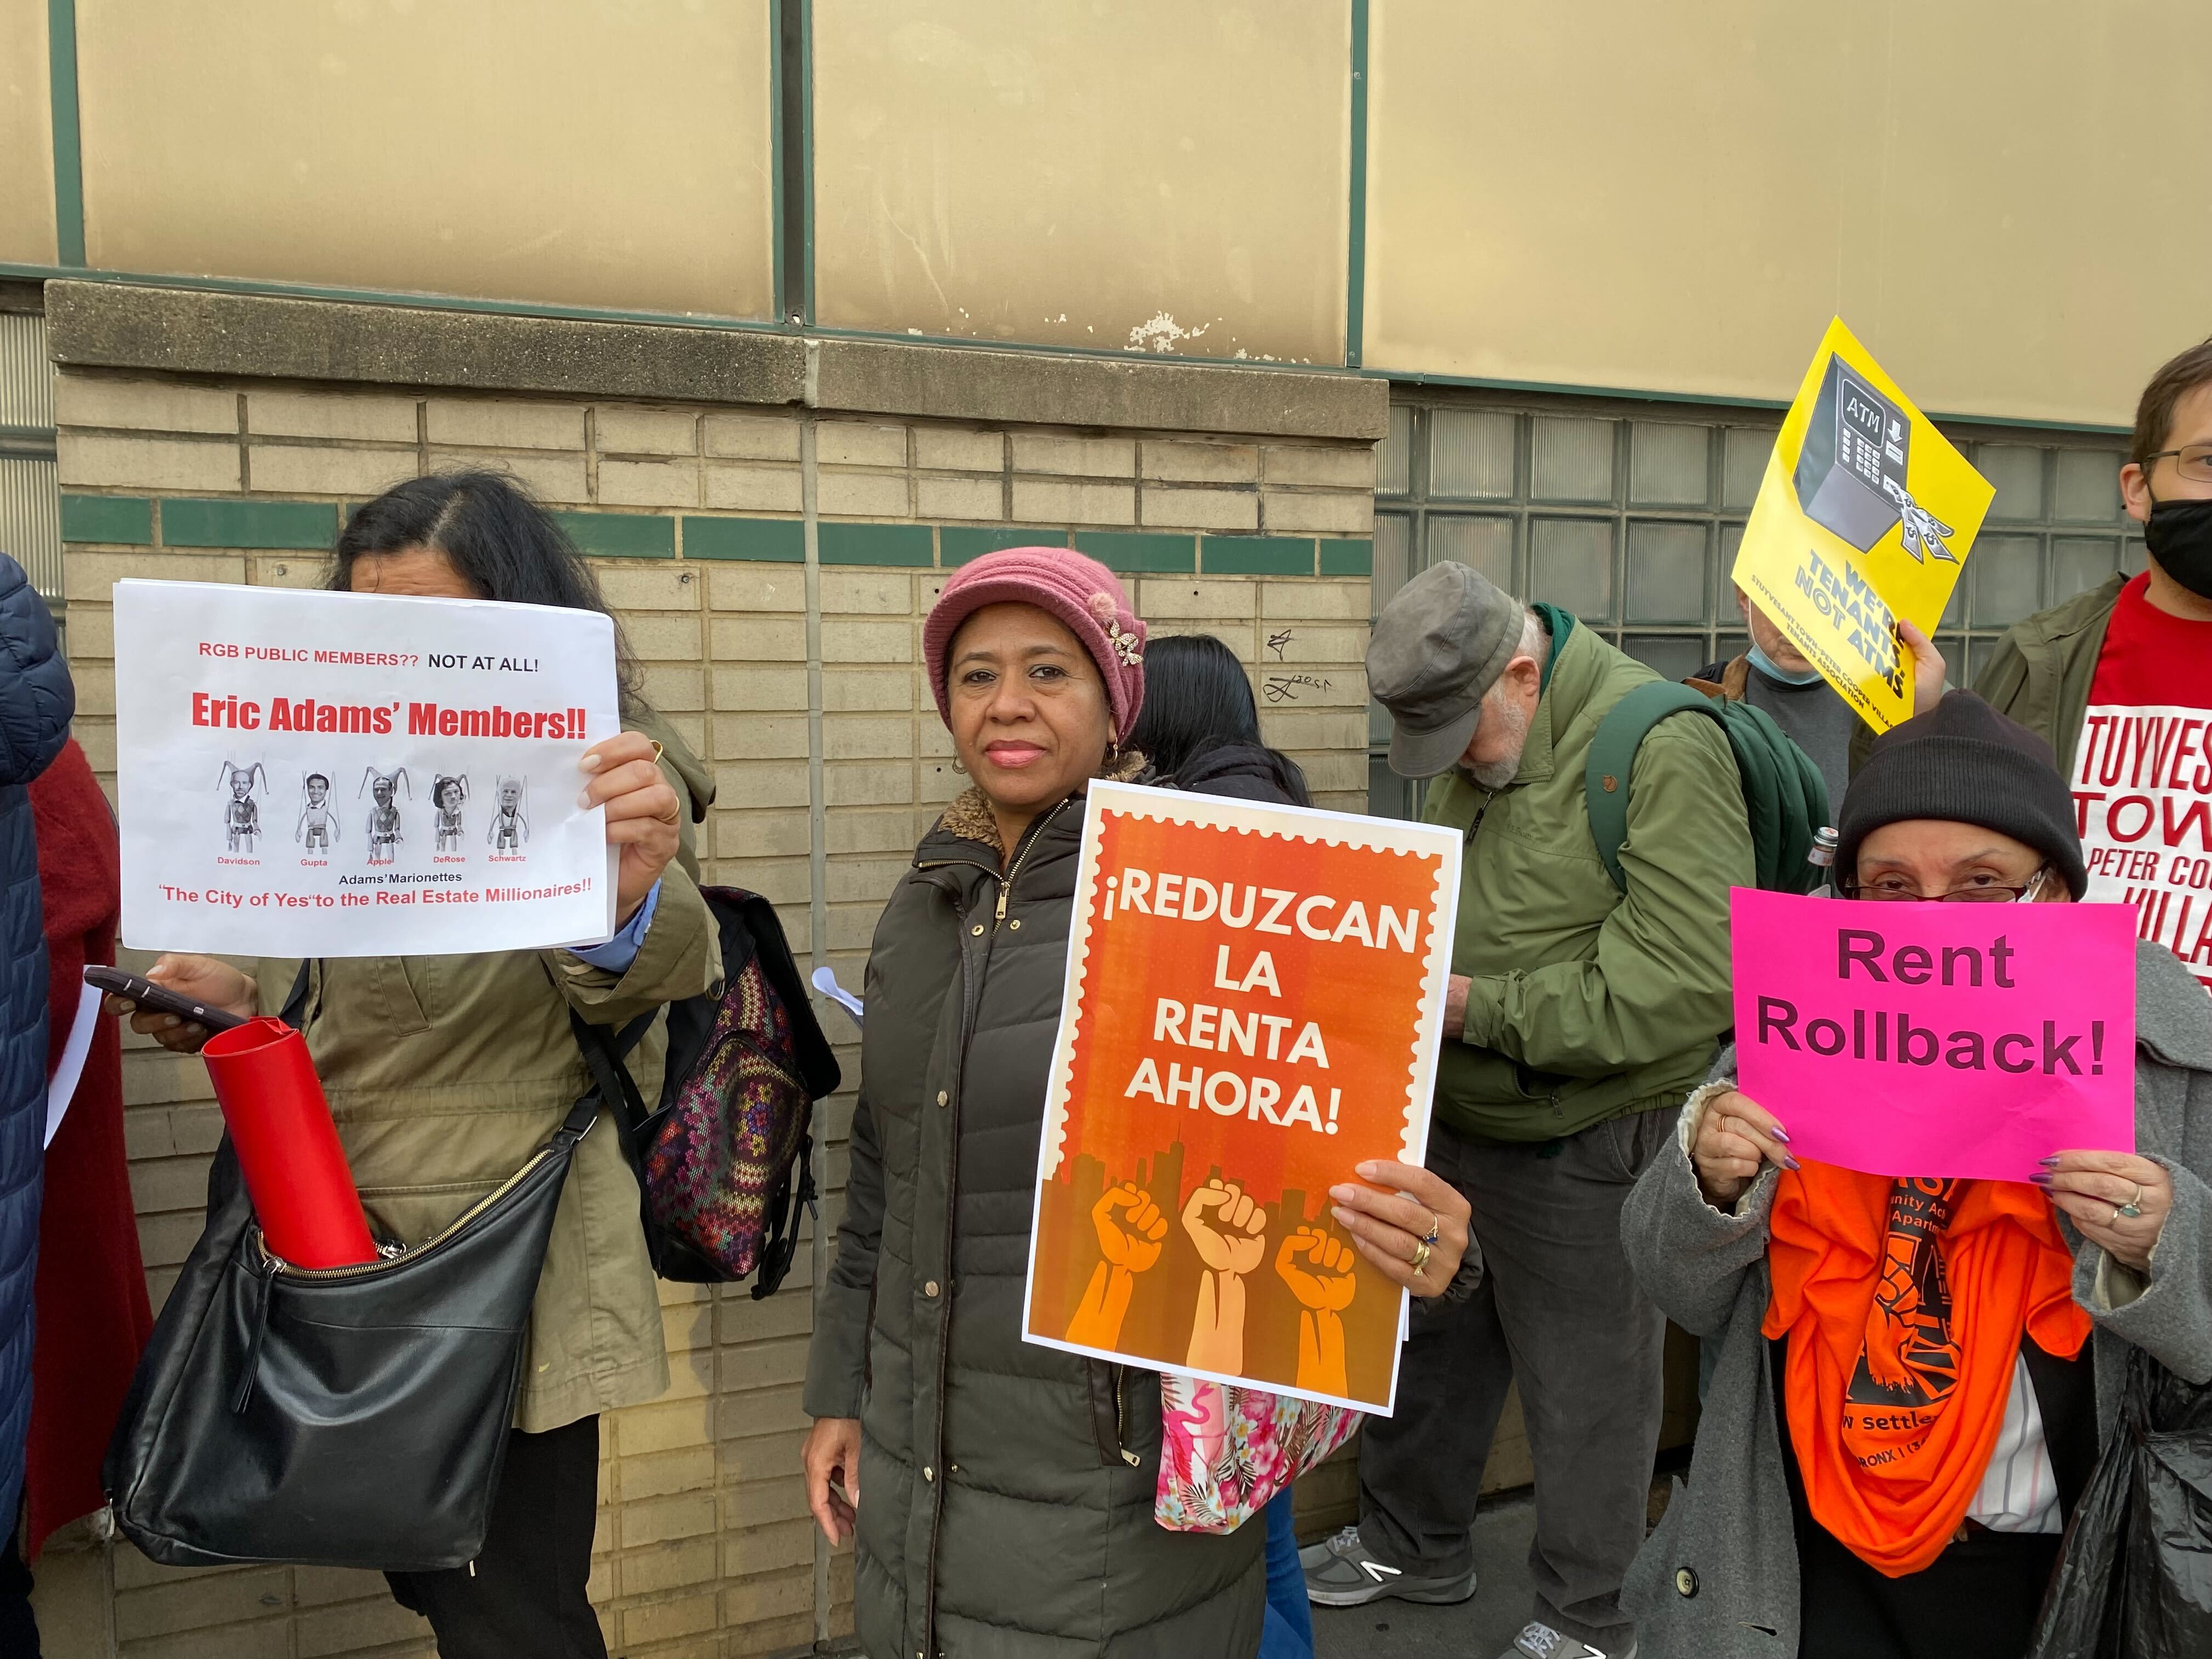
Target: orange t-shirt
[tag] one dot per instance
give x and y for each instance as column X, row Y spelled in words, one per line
column 1904, row 1302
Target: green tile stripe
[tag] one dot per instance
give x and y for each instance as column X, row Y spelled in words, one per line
column 620, row 535
column 127, row 520
column 877, row 544
column 1347, row 558
column 772, row 541
column 1256, row 555
column 198, row 521
column 1136, row 552
column 958, row 544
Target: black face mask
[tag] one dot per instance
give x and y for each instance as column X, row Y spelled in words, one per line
column 2180, row 536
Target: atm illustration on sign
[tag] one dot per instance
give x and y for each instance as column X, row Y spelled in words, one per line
column 1851, row 470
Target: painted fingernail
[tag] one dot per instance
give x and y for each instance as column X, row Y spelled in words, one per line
column 1368, row 1170
column 1343, row 1193
column 584, row 800
column 1788, row 1161
column 2043, row 1178
column 1781, row 1134
column 2050, row 1163
column 589, row 763
column 1340, row 1213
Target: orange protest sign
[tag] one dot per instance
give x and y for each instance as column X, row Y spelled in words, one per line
column 1255, row 1000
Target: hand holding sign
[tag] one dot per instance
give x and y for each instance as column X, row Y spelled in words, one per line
column 2100, row 1191
column 644, row 812
column 1736, row 1139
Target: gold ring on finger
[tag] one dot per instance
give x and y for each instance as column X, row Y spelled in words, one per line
column 1420, row 1256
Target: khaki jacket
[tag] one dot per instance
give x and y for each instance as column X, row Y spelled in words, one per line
column 1586, row 1003
column 2041, row 670
column 445, row 1074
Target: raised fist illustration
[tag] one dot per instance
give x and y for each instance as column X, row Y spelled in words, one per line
column 1322, row 1280
column 1130, row 1227
column 1227, row 1226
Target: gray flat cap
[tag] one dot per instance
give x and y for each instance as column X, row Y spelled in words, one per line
column 1438, row 646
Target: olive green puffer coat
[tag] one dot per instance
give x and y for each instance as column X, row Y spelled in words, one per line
column 1005, row 1491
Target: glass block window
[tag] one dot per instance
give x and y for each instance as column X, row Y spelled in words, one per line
column 30, row 502
column 1629, row 515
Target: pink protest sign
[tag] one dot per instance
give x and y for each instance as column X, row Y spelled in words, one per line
column 1939, row 1040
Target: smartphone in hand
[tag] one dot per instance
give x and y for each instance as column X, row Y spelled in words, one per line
column 155, row 999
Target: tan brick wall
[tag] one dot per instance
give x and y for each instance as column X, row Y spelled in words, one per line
column 704, row 1547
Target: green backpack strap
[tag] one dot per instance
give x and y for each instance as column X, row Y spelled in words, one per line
column 1613, row 755
column 1785, row 798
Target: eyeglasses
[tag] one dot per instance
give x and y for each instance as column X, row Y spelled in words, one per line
column 2192, row 461
column 1895, row 889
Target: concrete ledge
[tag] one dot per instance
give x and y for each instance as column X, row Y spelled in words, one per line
column 125, row 325
column 968, row 383
column 196, row 331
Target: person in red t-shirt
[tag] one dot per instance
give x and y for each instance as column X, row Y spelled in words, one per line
column 2118, row 680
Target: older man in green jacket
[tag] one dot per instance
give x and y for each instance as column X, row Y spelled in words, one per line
column 1580, row 1015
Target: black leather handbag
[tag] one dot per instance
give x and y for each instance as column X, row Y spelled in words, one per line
column 343, row 1416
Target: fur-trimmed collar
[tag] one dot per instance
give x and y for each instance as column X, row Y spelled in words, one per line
column 970, row 817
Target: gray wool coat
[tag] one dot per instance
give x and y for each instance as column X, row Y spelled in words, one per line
column 1719, row 1578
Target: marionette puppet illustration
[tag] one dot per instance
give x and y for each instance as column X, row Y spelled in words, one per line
column 383, row 788
column 510, row 819
column 241, row 814
column 317, row 830
column 448, row 793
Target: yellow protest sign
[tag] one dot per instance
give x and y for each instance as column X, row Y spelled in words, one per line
column 1866, row 514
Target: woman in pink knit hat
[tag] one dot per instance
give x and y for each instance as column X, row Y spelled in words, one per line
column 1009, row 1488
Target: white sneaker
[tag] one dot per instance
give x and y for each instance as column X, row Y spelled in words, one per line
column 1541, row 1641
column 1343, row 1572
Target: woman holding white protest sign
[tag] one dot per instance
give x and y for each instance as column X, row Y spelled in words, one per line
column 1009, row 1488
column 445, row 1074
column 1915, row 1374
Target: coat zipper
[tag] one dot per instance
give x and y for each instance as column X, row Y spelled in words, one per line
column 1006, row 881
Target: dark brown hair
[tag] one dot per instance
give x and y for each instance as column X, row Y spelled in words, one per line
column 2175, row 380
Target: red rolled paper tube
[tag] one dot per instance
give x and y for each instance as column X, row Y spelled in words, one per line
column 287, row 1148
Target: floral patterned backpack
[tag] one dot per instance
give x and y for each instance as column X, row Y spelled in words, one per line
column 724, row 1160
column 1225, row 1450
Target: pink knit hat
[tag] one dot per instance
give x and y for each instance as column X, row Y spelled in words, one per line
column 1078, row 590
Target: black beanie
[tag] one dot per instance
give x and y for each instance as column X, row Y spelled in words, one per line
column 1965, row 761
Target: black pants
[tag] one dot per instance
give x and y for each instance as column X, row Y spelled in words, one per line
column 524, row 1596
column 19, row 1630
column 1980, row 1598
column 1559, row 1312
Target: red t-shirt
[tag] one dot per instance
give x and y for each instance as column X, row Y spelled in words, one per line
column 2142, row 776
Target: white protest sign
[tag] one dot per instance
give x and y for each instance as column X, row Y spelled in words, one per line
column 347, row 775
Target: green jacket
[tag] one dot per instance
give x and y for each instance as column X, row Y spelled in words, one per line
column 2042, row 669
column 1586, row 1003
column 445, row 1074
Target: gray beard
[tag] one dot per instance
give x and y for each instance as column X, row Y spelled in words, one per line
column 1496, row 774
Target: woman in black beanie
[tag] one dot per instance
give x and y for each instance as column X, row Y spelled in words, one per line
column 1968, row 1338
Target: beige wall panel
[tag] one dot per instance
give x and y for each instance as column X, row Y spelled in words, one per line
column 1997, row 195
column 1145, row 174
column 593, row 152
column 26, row 136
